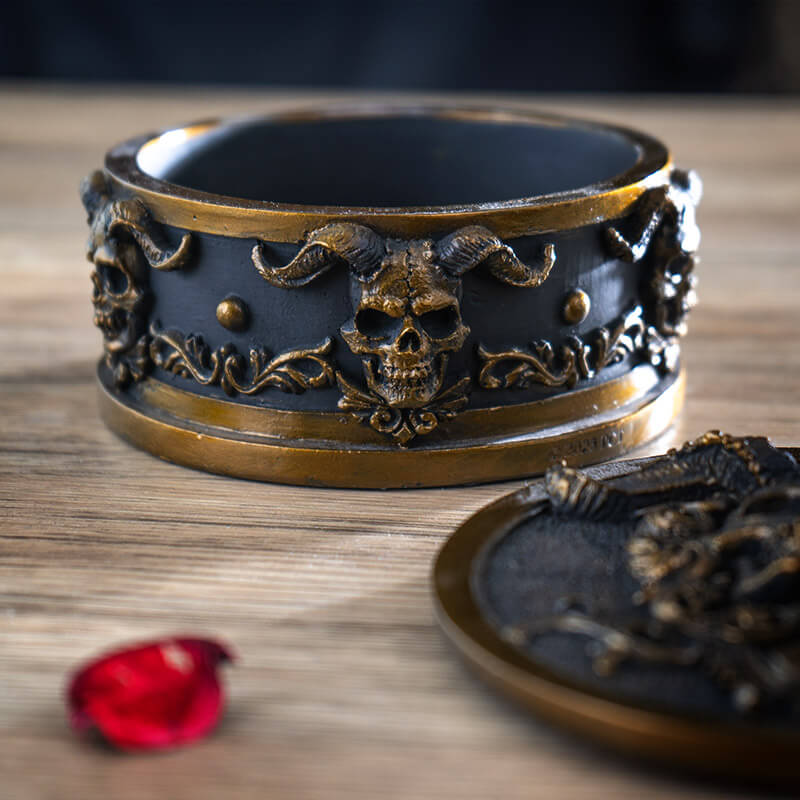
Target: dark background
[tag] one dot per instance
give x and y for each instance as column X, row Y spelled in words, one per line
column 679, row 46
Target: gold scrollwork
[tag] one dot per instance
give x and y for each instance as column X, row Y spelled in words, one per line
column 403, row 424
column 575, row 360
column 664, row 236
column 190, row 357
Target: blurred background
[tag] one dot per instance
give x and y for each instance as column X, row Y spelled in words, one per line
column 678, row 46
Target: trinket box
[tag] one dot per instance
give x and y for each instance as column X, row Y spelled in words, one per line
column 379, row 296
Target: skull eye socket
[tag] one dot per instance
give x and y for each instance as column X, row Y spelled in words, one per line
column 374, row 323
column 115, row 279
column 441, row 322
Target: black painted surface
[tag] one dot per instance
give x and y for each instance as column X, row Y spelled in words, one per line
column 547, row 560
column 499, row 316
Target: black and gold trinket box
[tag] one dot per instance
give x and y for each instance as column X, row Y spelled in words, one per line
column 391, row 297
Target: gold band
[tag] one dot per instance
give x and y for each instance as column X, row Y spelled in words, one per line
column 204, row 212
column 326, row 429
column 488, row 445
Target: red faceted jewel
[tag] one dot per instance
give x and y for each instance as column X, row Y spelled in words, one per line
column 151, row 696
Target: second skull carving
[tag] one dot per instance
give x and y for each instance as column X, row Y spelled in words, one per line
column 406, row 301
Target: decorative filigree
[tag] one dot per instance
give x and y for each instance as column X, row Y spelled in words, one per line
column 575, row 360
column 715, row 549
column 123, row 240
column 666, row 212
column 406, row 322
column 190, row 357
column 403, row 424
column 664, row 237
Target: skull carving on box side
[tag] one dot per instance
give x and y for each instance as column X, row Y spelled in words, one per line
column 120, row 305
column 406, row 295
column 664, row 237
column 123, row 241
column 407, row 322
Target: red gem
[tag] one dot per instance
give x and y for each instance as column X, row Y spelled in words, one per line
column 150, row 696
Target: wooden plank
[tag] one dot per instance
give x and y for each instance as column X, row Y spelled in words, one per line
column 344, row 688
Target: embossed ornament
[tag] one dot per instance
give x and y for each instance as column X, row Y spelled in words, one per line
column 406, row 321
column 577, row 359
column 403, row 424
column 123, row 242
column 664, row 237
column 714, row 545
column 190, row 357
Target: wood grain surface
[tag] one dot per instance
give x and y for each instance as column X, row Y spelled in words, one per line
column 344, row 687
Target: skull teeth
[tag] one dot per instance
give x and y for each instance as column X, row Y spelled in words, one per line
column 406, row 386
column 417, row 374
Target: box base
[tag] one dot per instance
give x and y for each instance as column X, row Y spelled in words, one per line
column 333, row 450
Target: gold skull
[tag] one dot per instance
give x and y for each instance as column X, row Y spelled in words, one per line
column 406, row 295
column 406, row 324
column 123, row 241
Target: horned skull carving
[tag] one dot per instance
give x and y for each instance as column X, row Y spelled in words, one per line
column 121, row 230
column 406, row 297
column 406, row 323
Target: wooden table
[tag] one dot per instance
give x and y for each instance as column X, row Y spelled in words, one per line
column 345, row 686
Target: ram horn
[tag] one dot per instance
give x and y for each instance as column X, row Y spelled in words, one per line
column 94, row 193
column 356, row 245
column 647, row 217
column 132, row 217
column 469, row 247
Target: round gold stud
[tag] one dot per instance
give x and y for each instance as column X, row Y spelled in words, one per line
column 233, row 314
column 576, row 307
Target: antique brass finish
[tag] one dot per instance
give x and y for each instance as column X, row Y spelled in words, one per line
column 324, row 449
column 506, row 421
column 190, row 357
column 665, row 233
column 710, row 585
column 576, row 360
column 280, row 222
column 123, row 241
column 406, row 314
column 403, row 423
column 716, row 552
column 576, row 307
column 233, row 314
column 455, row 310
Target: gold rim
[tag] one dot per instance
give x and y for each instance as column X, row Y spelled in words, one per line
column 234, row 446
column 278, row 222
column 733, row 749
